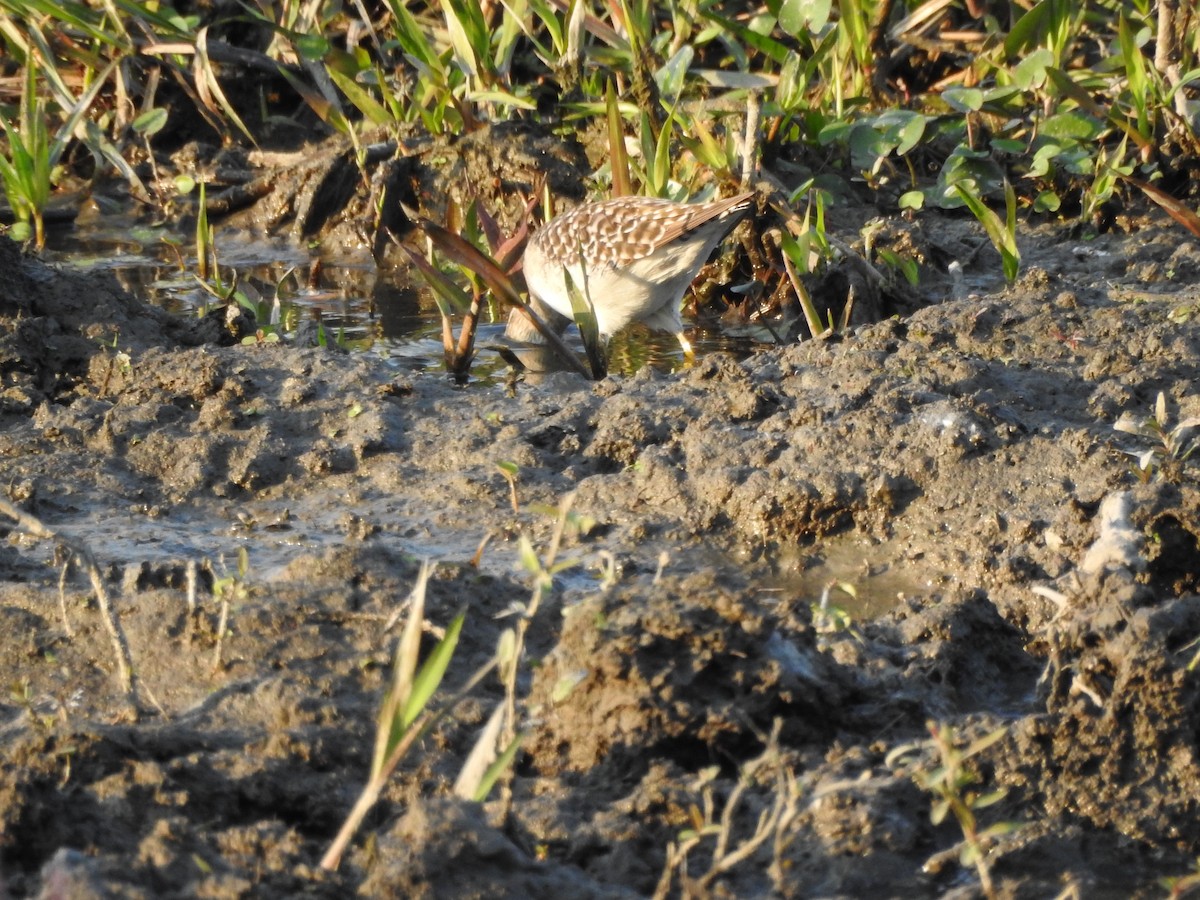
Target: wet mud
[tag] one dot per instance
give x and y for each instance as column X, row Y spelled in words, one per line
column 706, row 711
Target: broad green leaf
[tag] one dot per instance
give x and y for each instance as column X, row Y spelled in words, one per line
column 150, row 122
column 964, row 99
column 800, row 18
column 1030, row 72
column 311, row 47
column 1047, row 201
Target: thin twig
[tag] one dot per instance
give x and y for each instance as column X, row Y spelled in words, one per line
column 62, row 593
column 751, row 138
column 191, row 599
column 222, row 623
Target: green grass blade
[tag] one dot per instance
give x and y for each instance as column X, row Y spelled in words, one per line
column 584, row 313
column 449, row 297
column 769, row 47
column 432, row 671
column 496, row 769
column 1002, row 238
column 389, row 729
column 360, row 97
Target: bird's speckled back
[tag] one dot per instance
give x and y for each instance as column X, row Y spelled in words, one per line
column 625, row 229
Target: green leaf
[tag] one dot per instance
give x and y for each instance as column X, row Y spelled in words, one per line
column 774, row 50
column 980, row 744
column 989, row 799
column 1000, row 829
column 1047, row 201
column 672, row 75
column 502, row 98
column 311, row 47
column 496, row 769
column 206, row 80
column 390, row 726
column 584, row 314
column 1008, row 145
column 528, row 556
column 506, row 648
column 968, row 854
column 362, row 100
column 431, row 673
column 151, row 121
column 937, row 814
column 789, row 92
column 1030, row 72
column 468, row 36
column 622, row 182
column 801, row 18
column 565, row 686
column 964, row 99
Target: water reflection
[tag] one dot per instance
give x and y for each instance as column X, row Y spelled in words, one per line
column 389, row 313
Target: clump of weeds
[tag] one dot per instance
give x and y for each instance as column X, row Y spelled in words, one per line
column 947, row 771
column 1172, row 443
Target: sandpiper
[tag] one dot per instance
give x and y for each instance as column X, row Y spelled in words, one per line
column 639, row 256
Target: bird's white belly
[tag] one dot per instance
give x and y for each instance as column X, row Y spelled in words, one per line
column 647, row 289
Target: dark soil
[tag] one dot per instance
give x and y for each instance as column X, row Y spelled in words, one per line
column 959, row 466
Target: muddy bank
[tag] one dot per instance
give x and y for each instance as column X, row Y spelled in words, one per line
column 966, row 452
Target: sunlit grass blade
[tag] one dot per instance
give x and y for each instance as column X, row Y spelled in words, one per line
column 1002, row 234
column 622, row 181
column 658, row 167
column 429, row 676
column 78, row 16
column 210, row 89
column 413, row 40
column 497, row 768
column 408, row 690
column 26, row 175
column 391, row 725
column 449, row 296
column 204, row 236
column 1182, row 214
column 584, row 313
column 361, row 98
column 794, row 251
column 484, row 765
